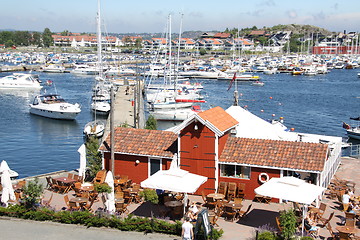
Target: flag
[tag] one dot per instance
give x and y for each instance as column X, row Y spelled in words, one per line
column 232, row 80
column 346, row 126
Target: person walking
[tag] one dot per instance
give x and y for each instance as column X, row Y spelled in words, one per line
column 187, row 230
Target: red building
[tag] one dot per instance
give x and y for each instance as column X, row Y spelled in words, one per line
column 335, row 50
column 204, row 145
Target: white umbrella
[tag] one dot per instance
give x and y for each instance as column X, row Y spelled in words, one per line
column 291, row 189
column 110, row 197
column 82, row 168
column 4, row 166
column 8, row 190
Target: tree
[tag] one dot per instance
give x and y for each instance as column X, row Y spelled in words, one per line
column 202, row 51
column 65, row 33
column 31, row 194
column 93, row 156
column 22, row 38
column 9, row 43
column 151, row 123
column 36, row 39
column 138, row 43
column 288, row 223
column 47, row 38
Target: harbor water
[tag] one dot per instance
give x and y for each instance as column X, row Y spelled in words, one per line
column 35, row 145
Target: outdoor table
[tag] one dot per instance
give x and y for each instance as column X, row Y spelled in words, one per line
column 79, row 200
column 87, row 188
column 119, row 200
column 173, row 204
column 236, row 206
column 216, row 196
column 347, row 229
column 131, row 190
column 65, row 180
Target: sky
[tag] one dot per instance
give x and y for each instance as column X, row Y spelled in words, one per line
column 145, row 16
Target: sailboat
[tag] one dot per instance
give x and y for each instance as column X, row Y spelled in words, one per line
column 97, row 127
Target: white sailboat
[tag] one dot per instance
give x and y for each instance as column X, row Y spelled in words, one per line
column 97, row 127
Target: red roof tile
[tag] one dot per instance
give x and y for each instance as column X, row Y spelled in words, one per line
column 278, row 154
column 142, row 142
column 219, row 118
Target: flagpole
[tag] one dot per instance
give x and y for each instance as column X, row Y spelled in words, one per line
column 236, row 94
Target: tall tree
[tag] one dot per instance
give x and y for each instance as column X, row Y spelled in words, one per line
column 47, row 38
column 36, row 39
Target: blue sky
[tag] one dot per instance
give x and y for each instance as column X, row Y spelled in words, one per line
column 150, row 16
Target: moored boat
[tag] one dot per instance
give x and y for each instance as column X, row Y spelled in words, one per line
column 54, row 106
column 19, row 81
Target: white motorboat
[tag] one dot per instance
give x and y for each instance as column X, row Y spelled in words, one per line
column 352, row 132
column 258, row 83
column 101, row 107
column 175, row 114
column 19, row 81
column 241, row 77
column 54, row 106
column 54, row 68
column 94, row 128
column 358, row 75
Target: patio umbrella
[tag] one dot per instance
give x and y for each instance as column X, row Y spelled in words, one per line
column 82, row 168
column 8, row 190
column 4, row 166
column 110, row 197
column 291, row 189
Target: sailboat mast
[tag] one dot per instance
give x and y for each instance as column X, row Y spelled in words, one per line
column 99, row 43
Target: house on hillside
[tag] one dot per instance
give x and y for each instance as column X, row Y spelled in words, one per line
column 208, row 144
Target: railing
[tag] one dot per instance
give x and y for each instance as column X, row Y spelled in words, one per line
column 355, row 151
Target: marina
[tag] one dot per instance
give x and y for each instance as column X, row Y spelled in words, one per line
column 310, row 104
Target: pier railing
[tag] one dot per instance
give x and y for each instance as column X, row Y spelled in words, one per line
column 355, row 151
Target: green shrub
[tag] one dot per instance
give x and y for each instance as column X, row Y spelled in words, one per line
column 31, row 194
column 150, row 195
column 102, row 188
column 266, row 236
column 306, row 238
column 216, row 234
column 288, row 221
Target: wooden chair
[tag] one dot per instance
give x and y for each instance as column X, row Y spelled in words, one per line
column 213, row 219
column 241, row 190
column 119, row 195
column 121, row 208
column 229, row 213
column 55, row 185
column 66, row 199
column 203, row 196
column 73, row 206
column 325, row 221
column 243, row 214
column 128, row 198
column 100, row 176
column 210, row 202
column 317, row 213
column 49, row 183
column 238, row 200
column 88, row 205
column 77, row 189
column 278, row 224
column 21, row 183
column 333, row 234
column 350, row 215
column 223, row 186
column 71, row 175
column 62, row 187
column 76, row 178
column 47, row 202
column 231, row 191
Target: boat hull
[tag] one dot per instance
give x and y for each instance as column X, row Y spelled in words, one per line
column 53, row 114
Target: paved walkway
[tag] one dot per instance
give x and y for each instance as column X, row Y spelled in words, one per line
column 15, row 229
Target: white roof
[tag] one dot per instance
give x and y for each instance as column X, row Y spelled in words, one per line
column 252, row 126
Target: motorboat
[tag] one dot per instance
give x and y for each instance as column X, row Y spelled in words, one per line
column 94, row 128
column 54, row 106
column 176, row 114
column 352, row 131
column 101, row 107
column 54, row 68
column 241, row 77
column 19, row 81
column 258, row 83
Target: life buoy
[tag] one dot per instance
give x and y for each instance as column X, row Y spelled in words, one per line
column 262, row 176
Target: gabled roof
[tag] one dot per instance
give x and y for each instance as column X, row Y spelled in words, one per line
column 216, row 119
column 222, row 35
column 144, row 142
column 275, row 154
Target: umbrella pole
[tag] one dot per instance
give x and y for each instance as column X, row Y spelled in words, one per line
column 185, row 201
column 303, row 219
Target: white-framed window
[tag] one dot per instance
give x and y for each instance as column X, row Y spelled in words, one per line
column 154, row 165
column 235, row 171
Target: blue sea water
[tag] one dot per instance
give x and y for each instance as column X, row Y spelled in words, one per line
column 34, row 145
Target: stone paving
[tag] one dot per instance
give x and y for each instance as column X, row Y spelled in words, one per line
column 261, row 213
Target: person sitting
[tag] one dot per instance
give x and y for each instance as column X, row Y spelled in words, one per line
column 310, row 226
column 192, row 212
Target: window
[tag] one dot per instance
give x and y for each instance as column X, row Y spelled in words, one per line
column 236, row 171
column 155, row 165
